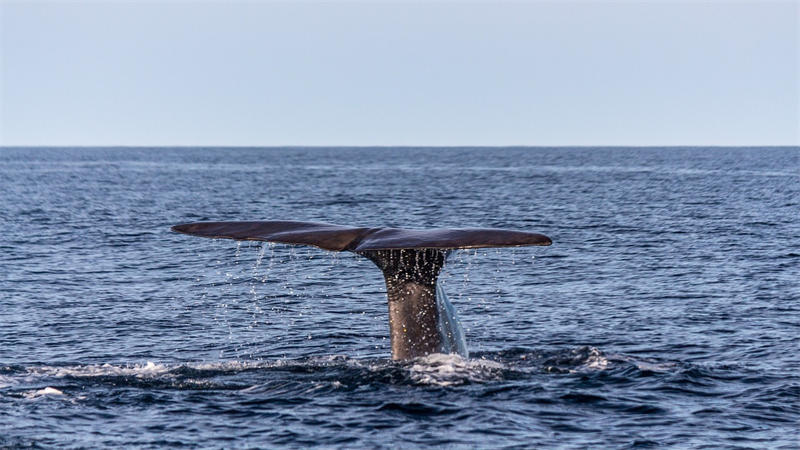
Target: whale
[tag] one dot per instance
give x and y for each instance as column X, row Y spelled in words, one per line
column 422, row 321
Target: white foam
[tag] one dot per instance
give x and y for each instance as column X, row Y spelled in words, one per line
column 436, row 369
column 49, row 391
column 42, row 392
column 149, row 369
column 596, row 360
column 235, row 365
column 451, row 369
column 655, row 367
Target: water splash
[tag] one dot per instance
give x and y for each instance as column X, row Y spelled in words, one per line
column 450, row 330
column 448, row 370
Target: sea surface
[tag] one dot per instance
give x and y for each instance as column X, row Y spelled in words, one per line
column 666, row 313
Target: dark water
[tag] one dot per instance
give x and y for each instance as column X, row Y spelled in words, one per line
column 666, row 313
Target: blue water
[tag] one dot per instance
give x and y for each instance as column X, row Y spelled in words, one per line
column 666, row 313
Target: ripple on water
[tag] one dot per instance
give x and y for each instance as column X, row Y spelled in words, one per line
column 663, row 315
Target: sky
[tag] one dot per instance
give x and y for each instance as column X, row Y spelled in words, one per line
column 178, row 72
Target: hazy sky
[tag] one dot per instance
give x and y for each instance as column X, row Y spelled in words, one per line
column 402, row 73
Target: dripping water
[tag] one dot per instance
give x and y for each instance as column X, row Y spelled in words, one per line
column 450, row 330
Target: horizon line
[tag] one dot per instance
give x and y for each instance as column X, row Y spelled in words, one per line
column 278, row 146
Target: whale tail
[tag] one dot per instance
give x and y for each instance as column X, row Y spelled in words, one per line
column 421, row 319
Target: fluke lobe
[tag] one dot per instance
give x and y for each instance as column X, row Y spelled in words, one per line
column 421, row 319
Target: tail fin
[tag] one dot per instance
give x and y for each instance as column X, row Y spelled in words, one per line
column 421, row 319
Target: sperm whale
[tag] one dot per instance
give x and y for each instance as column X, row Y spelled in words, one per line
column 421, row 319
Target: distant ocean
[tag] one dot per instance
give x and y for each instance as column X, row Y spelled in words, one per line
column 666, row 313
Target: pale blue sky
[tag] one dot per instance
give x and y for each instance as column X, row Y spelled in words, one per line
column 402, row 73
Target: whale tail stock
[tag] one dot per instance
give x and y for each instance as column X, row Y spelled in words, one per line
column 414, row 315
column 421, row 319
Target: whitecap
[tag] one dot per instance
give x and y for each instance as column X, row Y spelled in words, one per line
column 42, row 392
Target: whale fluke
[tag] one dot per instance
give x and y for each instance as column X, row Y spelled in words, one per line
column 421, row 319
column 358, row 239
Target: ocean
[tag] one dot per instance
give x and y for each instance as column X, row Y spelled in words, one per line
column 666, row 313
